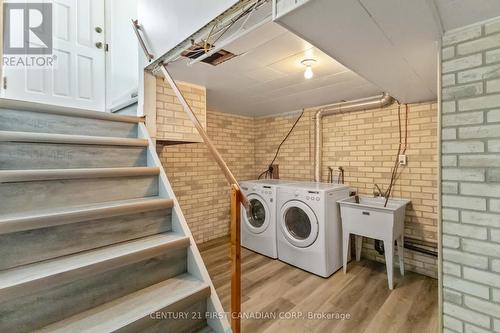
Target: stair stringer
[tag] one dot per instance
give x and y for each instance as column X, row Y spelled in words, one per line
column 217, row 319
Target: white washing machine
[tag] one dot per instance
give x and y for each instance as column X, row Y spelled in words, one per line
column 259, row 235
column 309, row 233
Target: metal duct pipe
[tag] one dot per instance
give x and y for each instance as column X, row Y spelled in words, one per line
column 378, row 101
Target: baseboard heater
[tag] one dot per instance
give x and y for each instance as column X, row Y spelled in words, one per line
column 417, row 245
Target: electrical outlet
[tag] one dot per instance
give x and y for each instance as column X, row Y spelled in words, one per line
column 402, row 160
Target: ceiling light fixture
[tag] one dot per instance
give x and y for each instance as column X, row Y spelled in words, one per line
column 308, row 73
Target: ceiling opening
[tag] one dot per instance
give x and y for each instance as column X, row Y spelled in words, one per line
column 199, row 49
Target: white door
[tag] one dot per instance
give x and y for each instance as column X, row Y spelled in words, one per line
column 77, row 78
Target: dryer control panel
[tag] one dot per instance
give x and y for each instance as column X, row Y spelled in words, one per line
column 308, row 195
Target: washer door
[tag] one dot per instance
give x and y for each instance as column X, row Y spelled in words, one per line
column 299, row 223
column 260, row 212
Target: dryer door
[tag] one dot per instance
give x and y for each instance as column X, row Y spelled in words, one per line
column 260, row 212
column 299, row 223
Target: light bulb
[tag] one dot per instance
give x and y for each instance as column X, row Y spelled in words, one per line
column 308, row 73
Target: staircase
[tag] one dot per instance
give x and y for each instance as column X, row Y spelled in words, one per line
column 92, row 238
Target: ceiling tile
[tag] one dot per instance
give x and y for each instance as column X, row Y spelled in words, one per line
column 269, row 78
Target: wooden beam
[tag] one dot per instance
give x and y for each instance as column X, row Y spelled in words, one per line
column 235, row 259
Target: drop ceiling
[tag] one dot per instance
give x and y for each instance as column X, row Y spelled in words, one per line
column 391, row 44
column 267, row 77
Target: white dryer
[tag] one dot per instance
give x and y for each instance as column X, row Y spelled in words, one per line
column 309, row 229
column 259, row 234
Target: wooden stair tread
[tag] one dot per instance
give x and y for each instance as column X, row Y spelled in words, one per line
column 52, row 217
column 12, row 136
column 126, row 310
column 53, row 174
column 66, row 111
column 22, row 280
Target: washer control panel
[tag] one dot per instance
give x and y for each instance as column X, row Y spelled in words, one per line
column 307, row 195
column 265, row 191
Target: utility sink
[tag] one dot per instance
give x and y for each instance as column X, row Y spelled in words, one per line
column 369, row 218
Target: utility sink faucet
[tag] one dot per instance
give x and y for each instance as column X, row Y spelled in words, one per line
column 378, row 192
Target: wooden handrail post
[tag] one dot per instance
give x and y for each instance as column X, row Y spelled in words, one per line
column 235, row 260
column 238, row 198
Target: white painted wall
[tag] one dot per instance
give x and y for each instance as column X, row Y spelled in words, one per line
column 470, row 200
column 122, row 61
column 167, row 23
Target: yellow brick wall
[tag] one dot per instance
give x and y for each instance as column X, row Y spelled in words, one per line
column 365, row 144
column 172, row 123
column 197, row 181
column 296, row 154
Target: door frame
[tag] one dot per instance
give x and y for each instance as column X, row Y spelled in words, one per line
column 110, row 104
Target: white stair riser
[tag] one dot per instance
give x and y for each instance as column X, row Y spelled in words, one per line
column 26, row 121
column 23, row 156
column 24, row 314
column 21, row 248
column 68, row 256
column 53, row 194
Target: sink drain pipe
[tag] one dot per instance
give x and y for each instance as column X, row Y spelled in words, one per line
column 373, row 102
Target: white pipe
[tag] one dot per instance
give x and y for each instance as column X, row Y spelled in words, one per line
column 379, row 101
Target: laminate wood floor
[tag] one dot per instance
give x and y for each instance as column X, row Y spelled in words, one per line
column 273, row 291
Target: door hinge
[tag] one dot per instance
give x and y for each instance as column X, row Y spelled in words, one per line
column 4, row 82
column 106, row 47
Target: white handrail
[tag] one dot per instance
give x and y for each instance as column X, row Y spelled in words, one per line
column 137, row 26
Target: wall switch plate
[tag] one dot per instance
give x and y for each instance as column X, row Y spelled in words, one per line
column 402, row 160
